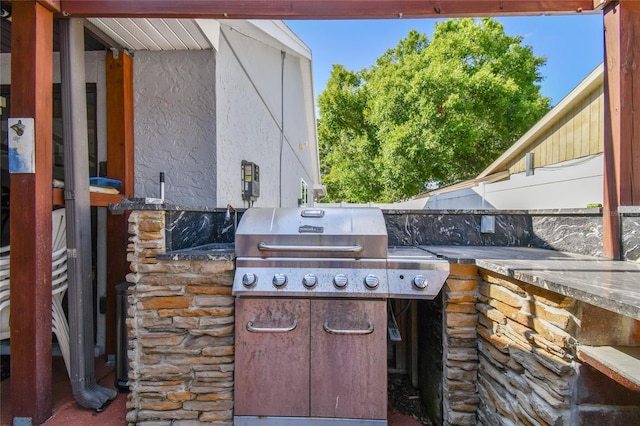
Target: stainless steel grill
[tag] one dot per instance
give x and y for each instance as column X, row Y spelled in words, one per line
column 329, row 252
column 311, row 313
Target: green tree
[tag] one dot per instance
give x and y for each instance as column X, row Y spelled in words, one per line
column 427, row 111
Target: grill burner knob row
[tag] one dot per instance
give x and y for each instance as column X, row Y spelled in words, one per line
column 279, row 280
column 340, row 281
column 249, row 280
column 420, row 282
column 371, row 282
column 309, row 281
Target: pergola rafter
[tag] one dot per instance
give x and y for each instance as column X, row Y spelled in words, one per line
column 320, row 9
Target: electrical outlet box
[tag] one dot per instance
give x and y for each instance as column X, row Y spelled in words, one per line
column 250, row 181
column 488, row 225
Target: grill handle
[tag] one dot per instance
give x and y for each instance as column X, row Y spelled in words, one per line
column 330, row 330
column 262, row 246
column 253, row 329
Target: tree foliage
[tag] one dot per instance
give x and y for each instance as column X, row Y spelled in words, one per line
column 427, row 111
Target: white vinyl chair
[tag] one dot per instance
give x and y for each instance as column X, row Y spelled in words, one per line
column 59, row 283
column 4, row 292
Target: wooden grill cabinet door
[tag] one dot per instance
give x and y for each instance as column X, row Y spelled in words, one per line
column 272, row 361
column 348, row 361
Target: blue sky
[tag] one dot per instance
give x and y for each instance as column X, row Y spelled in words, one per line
column 573, row 45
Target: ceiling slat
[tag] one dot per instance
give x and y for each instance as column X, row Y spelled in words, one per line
column 136, row 28
column 154, row 33
column 189, row 33
column 172, row 39
column 114, row 30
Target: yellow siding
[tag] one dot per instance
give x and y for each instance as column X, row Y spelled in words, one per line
column 518, row 167
column 578, row 133
column 596, row 111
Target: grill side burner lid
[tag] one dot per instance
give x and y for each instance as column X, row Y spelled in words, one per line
column 312, row 233
column 414, row 273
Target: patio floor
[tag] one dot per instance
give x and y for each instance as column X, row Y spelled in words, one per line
column 68, row 412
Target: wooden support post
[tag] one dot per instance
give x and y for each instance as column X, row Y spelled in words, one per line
column 119, row 71
column 32, row 96
column 621, row 124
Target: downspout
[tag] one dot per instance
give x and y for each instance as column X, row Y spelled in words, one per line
column 283, row 56
column 85, row 389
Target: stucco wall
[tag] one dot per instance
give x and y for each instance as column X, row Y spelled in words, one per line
column 175, row 125
column 250, row 94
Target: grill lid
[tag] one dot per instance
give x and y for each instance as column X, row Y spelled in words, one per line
column 312, row 232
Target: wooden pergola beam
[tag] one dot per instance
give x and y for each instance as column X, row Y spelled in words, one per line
column 319, row 9
column 621, row 123
column 51, row 5
column 31, row 97
column 120, row 156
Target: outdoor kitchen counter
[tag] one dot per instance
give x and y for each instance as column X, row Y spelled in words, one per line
column 213, row 251
column 609, row 284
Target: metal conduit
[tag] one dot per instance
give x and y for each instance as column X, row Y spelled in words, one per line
column 86, row 391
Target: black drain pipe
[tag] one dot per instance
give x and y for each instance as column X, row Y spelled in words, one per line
column 78, row 206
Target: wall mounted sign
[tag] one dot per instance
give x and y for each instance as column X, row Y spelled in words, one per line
column 21, row 145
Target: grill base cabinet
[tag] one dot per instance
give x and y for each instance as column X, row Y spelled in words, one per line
column 310, row 361
column 311, row 289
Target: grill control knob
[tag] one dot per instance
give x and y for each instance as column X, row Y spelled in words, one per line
column 371, row 282
column 420, row 282
column 340, row 281
column 309, row 281
column 249, row 280
column 279, row 280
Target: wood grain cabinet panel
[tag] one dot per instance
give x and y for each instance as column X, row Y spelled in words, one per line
column 272, row 361
column 311, row 357
column 348, row 359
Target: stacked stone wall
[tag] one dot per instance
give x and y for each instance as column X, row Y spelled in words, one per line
column 181, row 328
column 460, row 352
column 526, row 351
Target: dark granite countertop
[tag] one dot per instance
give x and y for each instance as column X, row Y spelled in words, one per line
column 156, row 204
column 134, row 203
column 609, row 284
column 215, row 251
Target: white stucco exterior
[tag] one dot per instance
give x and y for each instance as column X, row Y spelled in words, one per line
column 200, row 113
column 175, row 125
column 257, row 81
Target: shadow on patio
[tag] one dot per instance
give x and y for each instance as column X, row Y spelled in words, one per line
column 66, row 410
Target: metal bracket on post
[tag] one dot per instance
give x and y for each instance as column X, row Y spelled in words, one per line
column 599, row 5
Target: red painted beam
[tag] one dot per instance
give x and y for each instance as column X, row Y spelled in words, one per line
column 120, row 155
column 52, row 5
column 319, row 9
column 31, row 96
column 621, row 124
